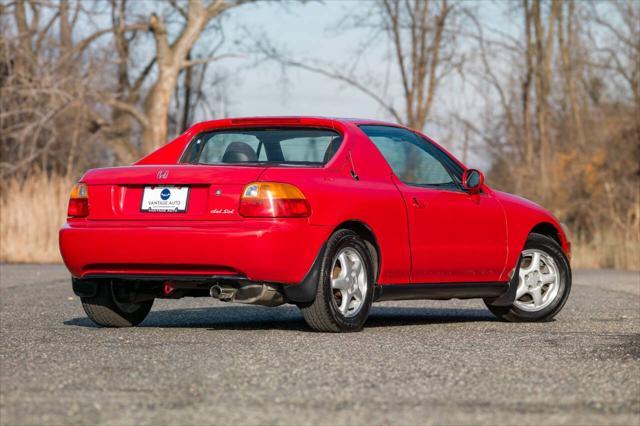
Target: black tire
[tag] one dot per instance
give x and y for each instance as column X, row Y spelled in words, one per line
column 104, row 310
column 323, row 314
column 513, row 313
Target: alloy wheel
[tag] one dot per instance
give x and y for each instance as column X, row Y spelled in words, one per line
column 538, row 281
column 348, row 282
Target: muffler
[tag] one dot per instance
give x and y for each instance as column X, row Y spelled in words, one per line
column 253, row 294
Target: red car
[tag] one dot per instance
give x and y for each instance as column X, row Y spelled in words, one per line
column 328, row 214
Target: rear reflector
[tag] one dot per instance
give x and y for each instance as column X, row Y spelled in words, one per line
column 79, row 201
column 271, row 199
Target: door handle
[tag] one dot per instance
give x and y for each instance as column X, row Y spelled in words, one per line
column 417, row 203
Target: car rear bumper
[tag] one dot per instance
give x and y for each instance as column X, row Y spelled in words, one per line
column 279, row 251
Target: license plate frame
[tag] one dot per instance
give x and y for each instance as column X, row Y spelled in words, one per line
column 154, row 201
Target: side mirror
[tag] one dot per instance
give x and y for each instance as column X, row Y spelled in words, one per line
column 472, row 180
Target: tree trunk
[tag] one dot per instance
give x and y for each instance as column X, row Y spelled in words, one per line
column 170, row 59
column 188, row 82
column 25, row 59
column 544, row 51
column 65, row 27
column 156, row 109
column 566, row 47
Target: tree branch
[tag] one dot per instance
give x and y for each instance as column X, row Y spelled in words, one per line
column 208, row 59
column 129, row 109
column 350, row 81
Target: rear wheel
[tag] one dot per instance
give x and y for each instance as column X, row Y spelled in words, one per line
column 345, row 287
column 544, row 282
column 108, row 308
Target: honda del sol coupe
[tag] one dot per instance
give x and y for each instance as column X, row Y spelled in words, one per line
column 328, row 214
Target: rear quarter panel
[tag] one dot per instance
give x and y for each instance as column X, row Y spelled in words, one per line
column 337, row 197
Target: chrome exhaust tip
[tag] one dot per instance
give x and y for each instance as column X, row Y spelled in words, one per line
column 225, row 294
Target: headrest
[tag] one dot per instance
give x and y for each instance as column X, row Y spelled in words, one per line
column 239, row 152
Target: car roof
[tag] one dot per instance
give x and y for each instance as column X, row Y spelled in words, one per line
column 356, row 120
column 302, row 120
column 290, row 119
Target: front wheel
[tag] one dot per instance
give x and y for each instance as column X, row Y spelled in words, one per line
column 109, row 309
column 543, row 282
column 345, row 288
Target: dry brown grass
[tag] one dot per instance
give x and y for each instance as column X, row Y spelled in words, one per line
column 609, row 250
column 31, row 214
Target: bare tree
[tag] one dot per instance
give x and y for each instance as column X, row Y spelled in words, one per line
column 45, row 85
column 63, row 96
column 150, row 108
column 544, row 43
column 620, row 50
column 570, row 52
column 422, row 58
column 564, row 132
column 422, row 36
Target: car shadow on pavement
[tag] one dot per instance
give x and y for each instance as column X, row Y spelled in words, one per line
column 238, row 317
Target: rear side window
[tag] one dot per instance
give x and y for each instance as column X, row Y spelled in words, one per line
column 294, row 146
column 413, row 160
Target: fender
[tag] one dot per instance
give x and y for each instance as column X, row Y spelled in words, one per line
column 524, row 217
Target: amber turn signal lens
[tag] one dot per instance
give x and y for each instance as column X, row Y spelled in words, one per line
column 79, row 201
column 273, row 199
column 79, row 190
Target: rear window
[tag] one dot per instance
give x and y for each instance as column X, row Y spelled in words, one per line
column 294, row 146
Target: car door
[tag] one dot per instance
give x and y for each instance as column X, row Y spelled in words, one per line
column 455, row 236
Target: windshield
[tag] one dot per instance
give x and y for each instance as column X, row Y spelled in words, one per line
column 295, row 146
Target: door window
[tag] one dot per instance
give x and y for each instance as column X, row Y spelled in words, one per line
column 412, row 160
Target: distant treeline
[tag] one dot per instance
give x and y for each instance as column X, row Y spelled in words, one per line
column 560, row 123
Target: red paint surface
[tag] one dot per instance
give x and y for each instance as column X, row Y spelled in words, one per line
column 424, row 235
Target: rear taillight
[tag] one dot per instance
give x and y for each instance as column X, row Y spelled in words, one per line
column 272, row 199
column 79, row 201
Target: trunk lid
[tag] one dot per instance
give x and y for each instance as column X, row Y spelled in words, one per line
column 214, row 191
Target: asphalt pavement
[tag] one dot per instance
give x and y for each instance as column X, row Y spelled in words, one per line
column 199, row 361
